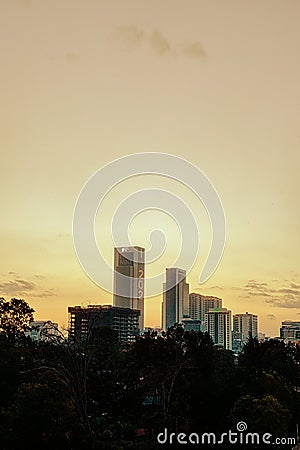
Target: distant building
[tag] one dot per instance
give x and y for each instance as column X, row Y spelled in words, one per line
column 244, row 327
column 42, row 330
column 218, row 325
column 261, row 336
column 199, row 305
column 157, row 330
column 129, row 272
column 192, row 325
column 82, row 320
column 175, row 305
column 290, row 331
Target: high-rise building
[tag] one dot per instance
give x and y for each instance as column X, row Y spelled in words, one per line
column 175, row 306
column 199, row 305
column 290, row 331
column 129, row 272
column 218, row 325
column 245, row 326
column 82, row 320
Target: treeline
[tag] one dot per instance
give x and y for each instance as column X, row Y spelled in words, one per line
column 101, row 395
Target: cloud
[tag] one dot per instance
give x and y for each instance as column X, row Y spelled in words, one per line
column 282, row 297
column 16, row 288
column 254, row 288
column 194, row 50
column 271, row 316
column 47, row 293
column 215, row 287
column 64, row 235
column 288, row 291
column 70, row 57
column 132, row 36
column 288, row 301
column 160, row 43
column 19, row 287
column 39, row 277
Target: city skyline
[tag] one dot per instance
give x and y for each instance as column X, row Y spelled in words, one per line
column 217, row 86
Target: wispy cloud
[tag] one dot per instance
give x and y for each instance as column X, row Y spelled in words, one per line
column 39, row 277
column 271, row 316
column 18, row 287
column 64, row 235
column 287, row 301
column 133, row 37
column 254, row 288
column 43, row 294
column 160, row 43
column 284, row 297
column 194, row 50
column 70, row 56
column 215, row 287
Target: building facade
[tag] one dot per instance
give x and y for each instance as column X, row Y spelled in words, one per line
column 290, row 331
column 244, row 327
column 42, row 330
column 199, row 305
column 192, row 325
column 218, row 325
column 82, row 320
column 129, row 273
column 175, row 306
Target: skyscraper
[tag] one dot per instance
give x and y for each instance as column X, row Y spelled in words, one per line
column 175, row 305
column 245, row 326
column 199, row 305
column 218, row 325
column 129, row 272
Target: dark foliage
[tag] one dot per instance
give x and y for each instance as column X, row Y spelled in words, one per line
column 100, row 395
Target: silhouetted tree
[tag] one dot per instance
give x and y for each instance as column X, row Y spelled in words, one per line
column 15, row 317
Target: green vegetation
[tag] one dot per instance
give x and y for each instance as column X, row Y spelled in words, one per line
column 101, row 395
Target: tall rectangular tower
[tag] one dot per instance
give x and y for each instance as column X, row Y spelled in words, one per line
column 199, row 305
column 175, row 297
column 245, row 326
column 129, row 272
column 218, row 325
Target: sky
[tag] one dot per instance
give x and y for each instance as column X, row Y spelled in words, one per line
column 85, row 82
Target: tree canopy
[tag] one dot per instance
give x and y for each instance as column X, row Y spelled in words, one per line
column 99, row 394
column 15, row 316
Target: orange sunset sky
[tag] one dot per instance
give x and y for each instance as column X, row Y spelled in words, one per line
column 84, row 82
